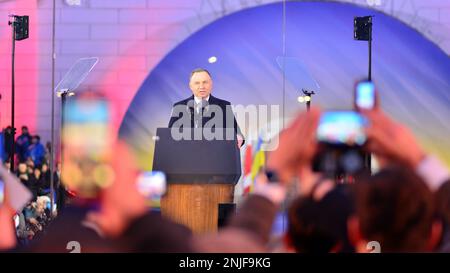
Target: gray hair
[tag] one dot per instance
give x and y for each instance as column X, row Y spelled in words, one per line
column 198, row 70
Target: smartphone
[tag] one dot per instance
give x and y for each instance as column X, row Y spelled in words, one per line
column 365, row 97
column 343, row 128
column 87, row 146
column 152, row 185
column 2, row 191
column 2, row 147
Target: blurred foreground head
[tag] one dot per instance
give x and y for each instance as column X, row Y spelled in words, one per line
column 395, row 208
column 319, row 225
column 89, row 146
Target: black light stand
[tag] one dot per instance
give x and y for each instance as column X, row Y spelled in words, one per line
column 308, row 98
column 52, row 150
column 362, row 31
column 19, row 32
column 63, row 94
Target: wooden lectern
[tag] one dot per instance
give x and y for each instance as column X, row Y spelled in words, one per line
column 201, row 174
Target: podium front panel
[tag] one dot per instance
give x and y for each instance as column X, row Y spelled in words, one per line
column 197, row 160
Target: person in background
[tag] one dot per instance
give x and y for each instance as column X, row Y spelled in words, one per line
column 60, row 188
column 36, row 150
column 30, row 166
column 23, row 176
column 48, row 149
column 22, row 143
column 23, row 233
column 37, row 182
column 7, row 165
column 7, row 143
column 45, row 173
column 36, row 217
column 22, row 169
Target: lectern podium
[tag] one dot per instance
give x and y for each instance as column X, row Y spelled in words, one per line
column 201, row 174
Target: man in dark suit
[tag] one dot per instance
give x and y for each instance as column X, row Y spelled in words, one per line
column 203, row 110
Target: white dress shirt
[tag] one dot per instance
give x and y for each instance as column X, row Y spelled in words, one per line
column 197, row 103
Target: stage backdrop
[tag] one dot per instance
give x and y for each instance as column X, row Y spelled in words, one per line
column 412, row 74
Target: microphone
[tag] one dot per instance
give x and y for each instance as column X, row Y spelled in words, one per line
column 204, row 105
column 190, row 106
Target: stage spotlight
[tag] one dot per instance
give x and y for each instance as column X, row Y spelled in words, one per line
column 73, row 2
column 362, row 28
column 301, row 99
column 21, row 27
column 59, row 94
column 307, row 98
column 212, row 59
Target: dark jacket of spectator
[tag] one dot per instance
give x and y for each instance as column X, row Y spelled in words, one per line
column 22, row 143
column 37, row 153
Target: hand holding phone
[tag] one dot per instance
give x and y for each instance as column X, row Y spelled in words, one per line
column 18, row 194
column 152, row 185
column 344, row 128
column 340, row 135
column 2, row 192
column 88, row 150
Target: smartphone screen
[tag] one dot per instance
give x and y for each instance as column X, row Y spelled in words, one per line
column 2, row 191
column 365, row 95
column 152, row 184
column 2, row 147
column 87, row 146
column 342, row 128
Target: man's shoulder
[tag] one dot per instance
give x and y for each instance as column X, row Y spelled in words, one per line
column 216, row 100
column 183, row 102
column 212, row 100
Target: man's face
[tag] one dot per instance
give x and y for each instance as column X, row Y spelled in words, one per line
column 201, row 84
column 40, row 207
column 22, row 167
column 24, row 131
